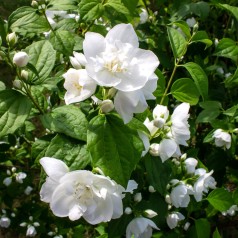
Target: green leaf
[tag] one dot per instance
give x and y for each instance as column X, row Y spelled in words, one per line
column 203, row 228
column 211, row 105
column 185, row 90
column 231, row 112
column 177, row 42
column 216, row 234
column 39, row 97
column 199, row 77
column 67, row 119
column 201, row 36
column 158, row 180
column 232, row 81
column 14, row 110
column 27, row 19
column 74, row 154
column 115, row 148
column 227, row 48
column 184, row 27
column 208, row 115
column 42, row 56
column 220, row 199
column 231, row 9
column 63, row 4
column 2, row 86
column 118, row 6
column 90, row 9
column 131, row 5
column 63, row 42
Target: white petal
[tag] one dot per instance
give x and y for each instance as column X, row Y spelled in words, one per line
column 167, row 148
column 150, row 87
column 54, row 168
column 132, row 185
column 75, row 213
column 47, row 189
column 124, row 33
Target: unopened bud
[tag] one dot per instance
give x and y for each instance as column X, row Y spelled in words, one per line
column 107, row 106
column 154, row 149
column 150, row 213
column 34, row 4
column 137, row 197
column 128, row 211
column 159, row 122
column 186, row 226
column 112, row 92
column 21, row 59
column 195, row 27
column 17, row 84
column 183, row 156
column 24, row 74
column 151, row 189
column 235, row 130
column 11, row 39
column 168, row 199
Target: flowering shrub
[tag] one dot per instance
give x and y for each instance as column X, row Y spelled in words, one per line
column 119, row 119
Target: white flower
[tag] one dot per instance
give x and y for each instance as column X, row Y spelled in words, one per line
column 160, row 115
column 190, row 165
column 5, row 222
column 116, row 61
column 20, row 176
column 127, row 103
column 78, row 60
column 173, row 219
column 7, row 181
column 31, row 231
column 204, row 182
column 79, row 85
column 222, row 138
column 140, row 227
column 180, row 196
column 143, row 16
column 168, row 148
column 21, row 59
column 80, row 193
column 180, row 127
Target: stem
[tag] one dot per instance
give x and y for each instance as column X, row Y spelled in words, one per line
column 169, row 83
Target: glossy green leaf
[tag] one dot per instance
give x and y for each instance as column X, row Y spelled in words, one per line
column 216, row 234
column 42, row 55
column 63, row 42
column 201, row 36
column 28, row 19
column 220, row 199
column 227, row 48
column 90, row 9
column 177, row 42
column 203, row 228
column 68, row 120
column 199, row 77
column 118, row 6
column 63, row 4
column 158, row 180
column 208, row 115
column 14, row 110
column 115, row 148
column 184, row 27
column 185, row 90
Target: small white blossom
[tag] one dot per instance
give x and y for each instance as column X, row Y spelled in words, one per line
column 191, row 22
column 174, row 218
column 190, row 165
column 21, row 59
column 222, row 138
column 151, row 189
column 141, row 228
column 31, row 231
column 79, row 85
column 128, row 210
column 20, row 176
column 186, row 226
column 28, row 190
column 143, row 16
column 78, row 60
column 204, row 182
column 137, row 197
column 231, row 211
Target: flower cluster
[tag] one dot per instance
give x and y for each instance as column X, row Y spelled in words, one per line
column 116, row 63
column 19, row 177
column 167, row 132
column 31, row 227
column 194, row 182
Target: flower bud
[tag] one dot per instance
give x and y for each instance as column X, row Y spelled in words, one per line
column 11, row 39
column 107, row 106
column 21, row 59
column 28, row 190
column 17, row 84
column 168, row 199
column 34, row 4
column 112, row 92
column 128, row 211
column 150, row 213
column 151, row 189
column 24, row 74
column 154, row 149
column 159, row 122
column 23, row 224
column 235, row 130
column 5, row 222
column 137, row 197
column 14, row 169
column 183, row 156
column 186, row 226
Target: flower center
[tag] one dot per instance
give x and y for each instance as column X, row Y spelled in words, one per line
column 77, row 86
column 83, row 193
